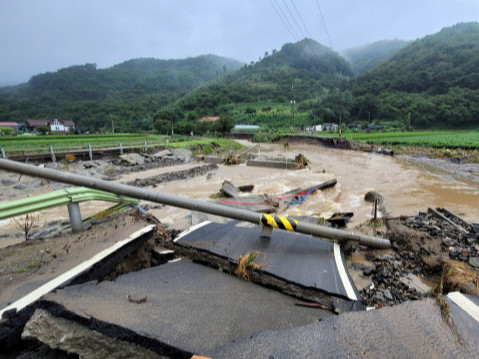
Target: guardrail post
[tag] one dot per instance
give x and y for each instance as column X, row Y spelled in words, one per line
column 54, row 159
column 121, row 149
column 90, row 152
column 3, row 154
column 75, row 217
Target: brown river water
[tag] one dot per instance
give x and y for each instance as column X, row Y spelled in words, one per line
column 407, row 187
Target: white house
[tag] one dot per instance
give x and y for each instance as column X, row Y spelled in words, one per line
column 61, row 126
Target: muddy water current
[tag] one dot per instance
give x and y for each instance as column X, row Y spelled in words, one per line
column 408, row 187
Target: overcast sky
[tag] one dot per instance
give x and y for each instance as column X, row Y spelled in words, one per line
column 37, row 36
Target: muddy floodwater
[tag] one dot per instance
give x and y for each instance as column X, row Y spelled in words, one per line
column 407, row 187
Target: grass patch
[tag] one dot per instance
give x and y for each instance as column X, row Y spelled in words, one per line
column 456, row 276
column 247, row 263
column 433, row 139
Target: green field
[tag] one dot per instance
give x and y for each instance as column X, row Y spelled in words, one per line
column 41, row 144
column 435, row 139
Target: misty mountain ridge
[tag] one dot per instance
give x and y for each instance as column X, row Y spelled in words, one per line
column 433, row 81
column 135, row 90
column 366, row 57
column 142, row 73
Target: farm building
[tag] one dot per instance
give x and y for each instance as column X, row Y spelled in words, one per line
column 12, row 125
column 56, row 126
column 209, row 119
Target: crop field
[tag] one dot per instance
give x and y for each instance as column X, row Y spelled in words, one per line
column 448, row 139
column 41, row 144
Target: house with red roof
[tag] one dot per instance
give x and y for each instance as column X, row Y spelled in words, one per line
column 209, row 119
column 12, row 125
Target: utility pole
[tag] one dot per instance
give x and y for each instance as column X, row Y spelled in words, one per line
column 112, row 126
column 340, row 104
column 292, row 101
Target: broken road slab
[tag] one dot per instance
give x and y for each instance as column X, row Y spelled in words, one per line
column 413, row 329
column 296, row 258
column 189, row 308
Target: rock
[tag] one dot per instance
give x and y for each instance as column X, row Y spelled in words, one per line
column 181, row 154
column 20, row 187
column 471, row 240
column 379, row 297
column 133, row 159
column 162, row 154
column 371, row 196
column 388, row 295
column 369, row 270
column 384, row 273
column 71, row 337
column 454, row 252
column 475, row 227
column 6, row 182
column 397, row 265
column 413, row 282
column 448, row 242
column 474, row 262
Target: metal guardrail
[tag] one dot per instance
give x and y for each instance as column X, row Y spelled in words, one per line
column 59, row 198
column 267, row 221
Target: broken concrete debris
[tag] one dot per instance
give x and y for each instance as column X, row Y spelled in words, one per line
column 229, row 190
column 299, row 162
column 425, row 246
column 173, row 176
column 339, row 219
column 267, row 203
column 72, row 337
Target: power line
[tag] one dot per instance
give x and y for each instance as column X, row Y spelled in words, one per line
column 297, row 12
column 324, row 23
column 284, row 19
column 294, row 19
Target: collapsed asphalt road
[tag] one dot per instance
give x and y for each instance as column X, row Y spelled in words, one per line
column 418, row 255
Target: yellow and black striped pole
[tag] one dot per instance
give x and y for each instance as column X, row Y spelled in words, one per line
column 278, row 222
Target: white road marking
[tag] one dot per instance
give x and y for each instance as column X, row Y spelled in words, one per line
column 465, row 304
column 72, row 273
column 191, row 229
column 342, row 273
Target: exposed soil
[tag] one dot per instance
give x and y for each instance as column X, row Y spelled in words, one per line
column 24, row 265
column 448, row 167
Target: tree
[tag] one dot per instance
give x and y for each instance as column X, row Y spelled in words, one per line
column 225, row 124
column 43, row 130
column 166, row 116
column 6, row 131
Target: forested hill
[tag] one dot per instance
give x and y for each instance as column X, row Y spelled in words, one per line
column 130, row 92
column 431, row 82
column 300, row 70
column 434, row 81
column 366, row 57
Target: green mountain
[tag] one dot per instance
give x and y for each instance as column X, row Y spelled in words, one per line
column 434, row 81
column 129, row 92
column 364, row 58
column 299, row 72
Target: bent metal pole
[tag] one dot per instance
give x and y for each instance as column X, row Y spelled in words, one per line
column 195, row 205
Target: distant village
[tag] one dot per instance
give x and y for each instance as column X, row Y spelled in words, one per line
column 31, row 126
